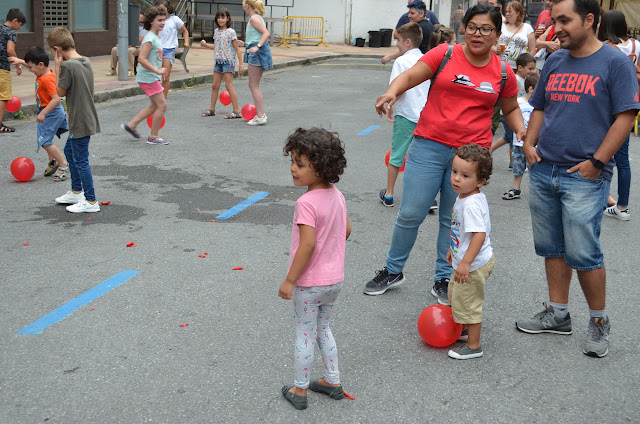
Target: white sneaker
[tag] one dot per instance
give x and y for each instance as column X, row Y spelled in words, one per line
column 111, row 73
column 614, row 212
column 258, row 121
column 84, row 206
column 70, row 198
column 130, row 74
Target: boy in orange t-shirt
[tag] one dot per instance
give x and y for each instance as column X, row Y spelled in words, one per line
column 51, row 118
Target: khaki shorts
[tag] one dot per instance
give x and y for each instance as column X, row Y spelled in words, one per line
column 5, row 85
column 466, row 299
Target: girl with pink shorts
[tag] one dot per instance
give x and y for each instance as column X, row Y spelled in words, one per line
column 150, row 75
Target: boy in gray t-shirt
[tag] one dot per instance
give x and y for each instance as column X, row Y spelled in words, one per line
column 74, row 78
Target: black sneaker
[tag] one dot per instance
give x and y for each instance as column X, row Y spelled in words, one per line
column 382, row 282
column 441, row 291
column 387, row 201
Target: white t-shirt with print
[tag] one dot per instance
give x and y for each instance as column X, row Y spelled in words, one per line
column 470, row 215
column 169, row 34
column 518, row 44
column 411, row 102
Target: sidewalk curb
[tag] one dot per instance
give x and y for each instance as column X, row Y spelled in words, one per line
column 193, row 79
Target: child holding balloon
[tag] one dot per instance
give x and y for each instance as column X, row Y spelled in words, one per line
column 150, row 75
column 470, row 254
column 226, row 51
column 321, row 227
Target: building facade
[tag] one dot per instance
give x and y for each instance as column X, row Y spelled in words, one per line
column 93, row 23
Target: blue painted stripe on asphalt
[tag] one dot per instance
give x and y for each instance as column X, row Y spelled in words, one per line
column 368, row 130
column 67, row 309
column 242, row 205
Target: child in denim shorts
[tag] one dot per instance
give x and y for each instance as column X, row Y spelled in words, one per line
column 226, row 52
column 519, row 161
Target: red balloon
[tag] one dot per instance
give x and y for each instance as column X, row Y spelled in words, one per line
column 14, row 104
column 386, row 161
column 225, row 98
column 248, row 112
column 150, row 118
column 436, row 326
column 22, row 169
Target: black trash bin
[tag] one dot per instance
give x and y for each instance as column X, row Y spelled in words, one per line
column 387, row 35
column 375, row 38
column 360, row 42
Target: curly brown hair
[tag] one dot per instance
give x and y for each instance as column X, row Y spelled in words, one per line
column 150, row 15
column 481, row 156
column 323, row 149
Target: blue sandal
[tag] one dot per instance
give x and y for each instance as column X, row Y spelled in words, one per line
column 512, row 194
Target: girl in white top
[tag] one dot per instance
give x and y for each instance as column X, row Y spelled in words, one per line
column 517, row 36
column 169, row 37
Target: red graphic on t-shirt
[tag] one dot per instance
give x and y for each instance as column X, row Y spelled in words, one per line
column 570, row 87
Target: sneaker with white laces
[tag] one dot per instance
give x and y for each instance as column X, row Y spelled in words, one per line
column 258, row 121
column 84, row 206
column 614, row 212
column 465, row 352
column 440, row 290
column 597, row 344
column 70, row 198
column 382, row 282
column 545, row 322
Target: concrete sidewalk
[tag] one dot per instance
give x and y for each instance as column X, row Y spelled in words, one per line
column 200, row 64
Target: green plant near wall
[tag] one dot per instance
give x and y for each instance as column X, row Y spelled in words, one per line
column 190, row 83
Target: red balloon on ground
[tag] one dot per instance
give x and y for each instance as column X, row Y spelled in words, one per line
column 386, row 161
column 248, row 112
column 149, row 119
column 22, row 169
column 225, row 98
column 436, row 326
column 13, row 105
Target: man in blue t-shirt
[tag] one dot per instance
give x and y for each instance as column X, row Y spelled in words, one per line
column 404, row 19
column 584, row 106
column 419, row 14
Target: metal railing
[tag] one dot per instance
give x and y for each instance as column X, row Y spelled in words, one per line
column 303, row 28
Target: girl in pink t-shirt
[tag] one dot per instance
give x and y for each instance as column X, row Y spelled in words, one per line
column 316, row 262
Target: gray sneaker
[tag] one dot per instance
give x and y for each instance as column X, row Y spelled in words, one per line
column 545, row 322
column 440, row 290
column 597, row 344
column 465, row 352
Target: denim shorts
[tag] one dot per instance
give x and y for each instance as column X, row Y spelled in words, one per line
column 566, row 215
column 222, row 67
column 169, row 54
column 508, row 132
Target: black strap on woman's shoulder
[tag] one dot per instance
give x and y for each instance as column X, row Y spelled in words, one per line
column 445, row 59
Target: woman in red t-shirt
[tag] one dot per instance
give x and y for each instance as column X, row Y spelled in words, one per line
column 458, row 112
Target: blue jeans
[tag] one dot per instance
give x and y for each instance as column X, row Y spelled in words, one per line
column 566, row 215
column 428, row 171
column 77, row 153
column 624, row 173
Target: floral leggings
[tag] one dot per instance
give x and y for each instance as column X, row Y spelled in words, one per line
column 312, row 309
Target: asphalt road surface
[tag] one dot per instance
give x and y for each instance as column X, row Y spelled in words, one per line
column 128, row 357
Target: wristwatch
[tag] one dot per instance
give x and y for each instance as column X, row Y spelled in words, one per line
column 596, row 163
column 259, row 45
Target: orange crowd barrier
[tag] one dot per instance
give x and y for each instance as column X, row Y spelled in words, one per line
column 303, row 28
